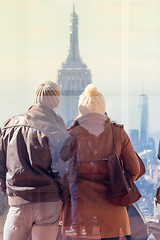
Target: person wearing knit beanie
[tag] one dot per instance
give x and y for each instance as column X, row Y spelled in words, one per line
column 91, row 101
column 47, row 94
column 33, row 141
column 94, row 140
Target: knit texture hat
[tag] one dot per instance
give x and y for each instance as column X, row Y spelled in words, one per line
column 48, row 94
column 91, row 101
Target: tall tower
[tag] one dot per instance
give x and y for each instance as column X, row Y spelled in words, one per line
column 73, row 77
column 144, row 121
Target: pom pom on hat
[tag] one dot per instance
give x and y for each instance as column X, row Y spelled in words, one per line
column 91, row 101
column 91, row 90
column 48, row 94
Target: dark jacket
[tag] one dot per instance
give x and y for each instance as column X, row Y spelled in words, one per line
column 26, row 156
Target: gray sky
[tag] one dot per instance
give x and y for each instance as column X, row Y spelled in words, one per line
column 118, row 40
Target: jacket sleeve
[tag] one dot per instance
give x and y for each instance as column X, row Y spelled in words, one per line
column 66, row 152
column 128, row 155
column 3, row 168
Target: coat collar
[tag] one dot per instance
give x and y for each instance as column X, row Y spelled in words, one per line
column 93, row 122
column 44, row 113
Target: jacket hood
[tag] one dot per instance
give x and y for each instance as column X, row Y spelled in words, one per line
column 93, row 122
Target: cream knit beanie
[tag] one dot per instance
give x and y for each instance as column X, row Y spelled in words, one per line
column 91, row 101
column 48, row 94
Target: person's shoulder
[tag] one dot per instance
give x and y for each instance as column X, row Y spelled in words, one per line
column 113, row 123
column 117, row 125
column 118, row 129
column 76, row 129
column 119, row 132
column 12, row 121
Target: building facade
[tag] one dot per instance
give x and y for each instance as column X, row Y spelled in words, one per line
column 73, row 76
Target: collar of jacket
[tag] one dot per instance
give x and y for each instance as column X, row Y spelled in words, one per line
column 93, row 122
column 38, row 117
column 44, row 113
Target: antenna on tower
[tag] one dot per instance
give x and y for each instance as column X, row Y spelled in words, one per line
column 143, row 87
column 73, row 7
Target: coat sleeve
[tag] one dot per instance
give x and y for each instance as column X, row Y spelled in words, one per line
column 129, row 157
column 3, row 168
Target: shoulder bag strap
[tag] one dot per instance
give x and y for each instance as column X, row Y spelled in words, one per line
column 114, row 148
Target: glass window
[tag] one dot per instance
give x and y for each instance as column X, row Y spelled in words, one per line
column 113, row 44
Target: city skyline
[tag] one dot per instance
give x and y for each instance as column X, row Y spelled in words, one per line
column 118, row 40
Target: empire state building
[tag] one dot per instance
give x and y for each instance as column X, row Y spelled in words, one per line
column 73, row 76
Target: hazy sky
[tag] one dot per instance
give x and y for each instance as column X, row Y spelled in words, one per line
column 119, row 40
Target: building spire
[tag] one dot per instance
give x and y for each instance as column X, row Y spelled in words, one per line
column 74, row 48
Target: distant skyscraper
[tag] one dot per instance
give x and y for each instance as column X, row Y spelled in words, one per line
column 134, row 135
column 73, row 76
column 144, row 121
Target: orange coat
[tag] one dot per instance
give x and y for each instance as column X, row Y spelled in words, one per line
column 112, row 220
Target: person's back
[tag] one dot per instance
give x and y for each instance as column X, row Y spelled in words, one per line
column 91, row 140
column 29, row 146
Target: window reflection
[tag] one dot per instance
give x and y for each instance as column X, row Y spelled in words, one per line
column 120, row 41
